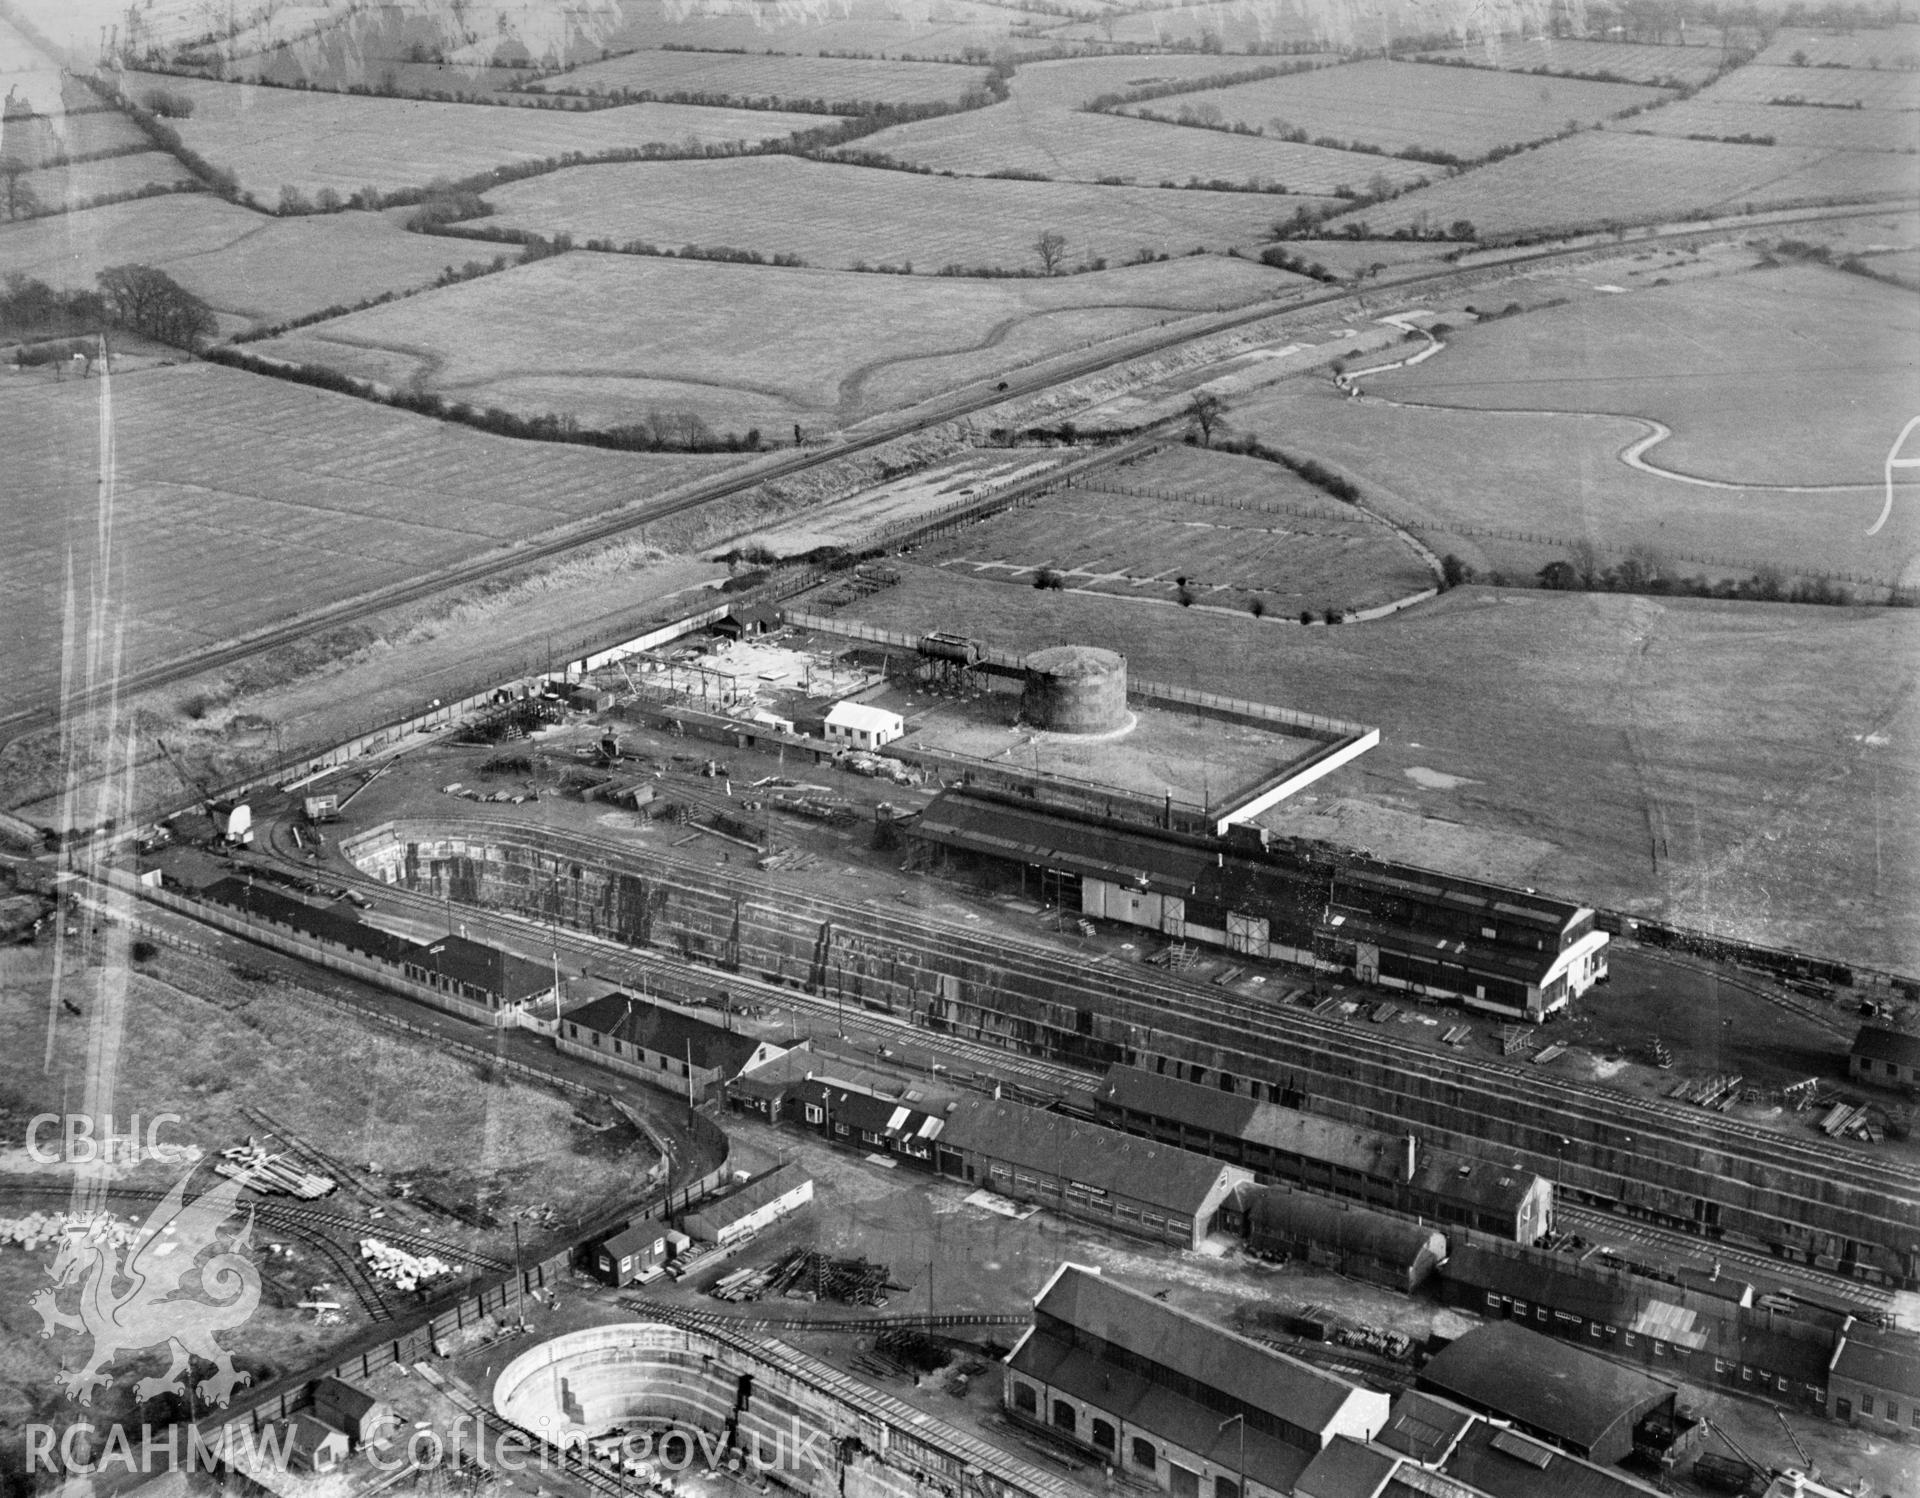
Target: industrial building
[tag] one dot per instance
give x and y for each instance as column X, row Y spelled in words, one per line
column 1507, row 952
column 1710, row 1332
column 1328, row 1234
column 855, row 725
column 659, row 1045
column 755, row 1205
column 1171, row 1400
column 1083, row 1170
column 1885, row 1058
column 348, row 1408
column 1583, row 1403
column 1873, row 1381
column 1284, row 1144
column 845, row 1104
column 633, row 1253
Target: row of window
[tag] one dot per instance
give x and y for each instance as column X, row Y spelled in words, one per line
column 622, row 1048
column 1142, row 1454
column 1890, row 1413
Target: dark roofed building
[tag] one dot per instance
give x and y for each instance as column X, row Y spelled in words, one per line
column 1586, row 1404
column 1346, row 1469
column 1083, row 1170
column 1887, row 1058
column 632, row 1253
column 361, row 1416
column 1324, row 1154
column 1875, row 1380
column 1424, row 1428
column 1173, row 1400
column 1338, row 1235
column 663, row 1046
column 1503, row 1463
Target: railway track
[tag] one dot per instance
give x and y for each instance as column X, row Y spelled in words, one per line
column 1627, row 1131
column 952, row 407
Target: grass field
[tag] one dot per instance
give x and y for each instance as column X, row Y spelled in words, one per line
column 272, row 137
column 1865, row 47
column 836, row 215
column 1075, row 147
column 1636, row 62
column 1719, row 360
column 1605, row 176
column 1394, row 105
column 243, row 501
column 249, row 268
column 74, row 183
column 888, row 28
column 1821, row 129
column 1769, row 749
column 833, row 79
column 1235, row 528
column 1510, row 492
column 1849, row 87
column 92, row 129
column 1069, row 83
column 608, row 336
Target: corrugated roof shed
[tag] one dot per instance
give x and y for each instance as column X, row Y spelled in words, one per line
column 1876, row 1043
column 635, row 1238
column 1880, row 1359
column 755, row 1194
column 1194, row 1348
column 665, row 1031
column 1346, row 1469
column 1550, row 1386
column 1158, row 1174
column 1423, row 1427
column 1278, row 1212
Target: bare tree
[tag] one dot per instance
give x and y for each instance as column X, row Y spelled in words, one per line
column 152, row 303
column 1051, row 247
column 1207, row 411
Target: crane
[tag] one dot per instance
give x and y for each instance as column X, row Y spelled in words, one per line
column 237, row 829
column 1806, row 1461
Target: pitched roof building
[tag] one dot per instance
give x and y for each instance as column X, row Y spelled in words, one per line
column 663, row 1046
column 1888, row 1057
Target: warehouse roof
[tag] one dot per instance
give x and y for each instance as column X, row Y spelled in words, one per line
column 751, row 1197
column 1209, row 1355
column 1874, row 1043
column 1159, row 1175
column 667, row 1032
column 1880, row 1359
column 1502, row 1463
column 1547, row 1385
column 1423, row 1427
column 1279, row 1212
column 1672, row 1313
column 1346, row 1469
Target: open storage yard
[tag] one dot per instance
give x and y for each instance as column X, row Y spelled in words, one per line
column 246, row 266
column 606, row 337
column 275, row 137
column 1721, row 360
column 1741, row 768
column 1604, row 177
column 1070, row 146
column 1236, row 529
column 244, row 500
column 831, row 80
column 1465, row 112
column 837, row 216
column 1630, row 62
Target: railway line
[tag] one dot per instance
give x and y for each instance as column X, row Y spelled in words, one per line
column 980, row 396
column 1159, row 1013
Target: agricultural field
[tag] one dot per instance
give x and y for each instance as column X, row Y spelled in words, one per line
column 1236, row 529
column 1466, row 112
column 1732, row 767
column 274, row 137
column 1719, row 360
column 251, row 269
column 1864, row 47
column 244, row 500
column 909, row 29
column 1510, row 492
column 1069, row 83
column 1605, row 177
column 1069, row 146
column 607, row 337
column 1235, row 25
column 1631, row 62
column 94, row 129
column 1846, row 88
column 75, row 183
column 1819, row 129
column 839, row 216
column 833, row 80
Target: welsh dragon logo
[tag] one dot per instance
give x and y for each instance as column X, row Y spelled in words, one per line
column 140, row 1298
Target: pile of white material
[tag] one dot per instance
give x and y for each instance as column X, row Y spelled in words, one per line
column 38, row 1228
column 402, row 1270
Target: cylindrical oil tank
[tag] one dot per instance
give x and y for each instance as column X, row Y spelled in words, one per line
column 1075, row 689
column 956, row 649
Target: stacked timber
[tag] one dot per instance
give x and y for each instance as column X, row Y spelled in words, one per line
column 270, row 1174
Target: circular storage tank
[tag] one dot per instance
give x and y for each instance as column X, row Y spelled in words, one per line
column 1076, row 689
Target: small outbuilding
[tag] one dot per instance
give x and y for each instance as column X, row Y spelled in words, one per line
column 1885, row 1058
column 312, row 1445
column 855, row 725
column 350, row 1409
column 634, row 1252
column 760, row 1202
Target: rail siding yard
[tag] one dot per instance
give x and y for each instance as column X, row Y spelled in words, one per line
column 1218, row 798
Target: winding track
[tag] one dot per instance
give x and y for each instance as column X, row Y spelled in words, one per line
column 976, row 397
